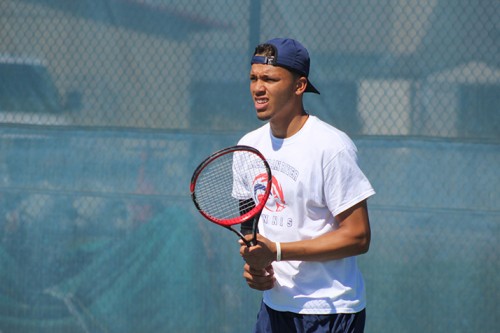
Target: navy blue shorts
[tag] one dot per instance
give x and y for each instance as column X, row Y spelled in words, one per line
column 272, row 321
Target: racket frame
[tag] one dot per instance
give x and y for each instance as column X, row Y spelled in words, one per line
column 253, row 213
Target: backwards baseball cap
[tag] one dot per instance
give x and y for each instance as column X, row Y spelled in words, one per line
column 290, row 54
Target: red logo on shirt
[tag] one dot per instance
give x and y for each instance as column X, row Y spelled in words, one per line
column 276, row 201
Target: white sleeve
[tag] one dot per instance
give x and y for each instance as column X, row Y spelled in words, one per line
column 345, row 183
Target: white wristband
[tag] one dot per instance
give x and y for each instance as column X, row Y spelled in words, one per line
column 278, row 251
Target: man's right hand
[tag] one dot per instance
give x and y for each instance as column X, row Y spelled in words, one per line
column 259, row 279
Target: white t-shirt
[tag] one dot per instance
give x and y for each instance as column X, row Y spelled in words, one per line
column 315, row 177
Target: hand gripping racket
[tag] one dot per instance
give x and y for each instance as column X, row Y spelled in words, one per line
column 231, row 187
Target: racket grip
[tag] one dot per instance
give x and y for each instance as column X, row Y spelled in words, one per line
column 255, row 230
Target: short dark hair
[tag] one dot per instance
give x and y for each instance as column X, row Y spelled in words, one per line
column 267, row 50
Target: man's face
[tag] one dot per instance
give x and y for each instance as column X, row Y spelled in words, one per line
column 273, row 91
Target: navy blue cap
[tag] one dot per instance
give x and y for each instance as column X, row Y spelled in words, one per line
column 291, row 55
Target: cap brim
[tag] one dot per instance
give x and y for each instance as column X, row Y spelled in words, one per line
column 310, row 88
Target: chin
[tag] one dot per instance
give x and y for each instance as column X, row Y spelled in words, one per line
column 262, row 115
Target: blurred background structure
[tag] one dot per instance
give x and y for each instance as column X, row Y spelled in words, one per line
column 106, row 107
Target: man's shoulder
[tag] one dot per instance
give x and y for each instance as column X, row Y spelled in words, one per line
column 330, row 136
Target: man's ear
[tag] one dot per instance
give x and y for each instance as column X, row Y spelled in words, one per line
column 301, row 85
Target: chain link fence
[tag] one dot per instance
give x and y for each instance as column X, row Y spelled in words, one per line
column 107, row 106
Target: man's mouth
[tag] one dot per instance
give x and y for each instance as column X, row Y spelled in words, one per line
column 261, row 103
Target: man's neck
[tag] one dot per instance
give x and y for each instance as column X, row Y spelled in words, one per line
column 287, row 129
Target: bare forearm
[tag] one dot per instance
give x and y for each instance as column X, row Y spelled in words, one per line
column 332, row 246
column 350, row 239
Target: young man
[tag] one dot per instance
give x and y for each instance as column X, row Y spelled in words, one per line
column 316, row 220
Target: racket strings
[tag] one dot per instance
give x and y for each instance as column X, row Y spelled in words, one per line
column 226, row 183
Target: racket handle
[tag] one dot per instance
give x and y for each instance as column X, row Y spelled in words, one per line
column 251, row 242
column 255, row 230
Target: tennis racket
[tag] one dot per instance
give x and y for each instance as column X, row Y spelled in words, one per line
column 231, row 187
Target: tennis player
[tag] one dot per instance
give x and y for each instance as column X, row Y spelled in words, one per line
column 316, row 220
